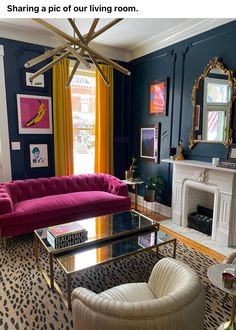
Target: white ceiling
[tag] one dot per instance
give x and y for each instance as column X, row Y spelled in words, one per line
column 129, row 39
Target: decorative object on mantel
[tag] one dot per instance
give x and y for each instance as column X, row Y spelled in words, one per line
column 213, row 95
column 172, row 152
column 129, row 174
column 180, row 150
column 76, row 46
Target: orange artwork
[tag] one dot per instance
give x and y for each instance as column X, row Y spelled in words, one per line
column 157, row 104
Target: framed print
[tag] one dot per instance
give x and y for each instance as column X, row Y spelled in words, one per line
column 149, row 142
column 232, row 153
column 38, row 155
column 34, row 114
column 157, row 95
column 39, row 83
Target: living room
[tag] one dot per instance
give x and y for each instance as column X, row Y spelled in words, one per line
column 176, row 62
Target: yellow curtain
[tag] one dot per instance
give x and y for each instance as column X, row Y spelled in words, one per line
column 62, row 120
column 104, row 122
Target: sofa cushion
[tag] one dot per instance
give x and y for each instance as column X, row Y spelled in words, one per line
column 51, row 210
column 83, row 199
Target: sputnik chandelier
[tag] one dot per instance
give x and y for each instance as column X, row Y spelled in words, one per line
column 76, row 46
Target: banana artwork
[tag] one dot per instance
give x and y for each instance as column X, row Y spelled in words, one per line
column 38, row 116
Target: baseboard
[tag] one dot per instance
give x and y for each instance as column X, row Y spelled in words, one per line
column 155, row 206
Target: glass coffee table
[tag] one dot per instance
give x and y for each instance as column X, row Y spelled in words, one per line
column 110, row 237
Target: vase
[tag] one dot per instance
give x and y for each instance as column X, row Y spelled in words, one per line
column 129, row 175
column 149, row 195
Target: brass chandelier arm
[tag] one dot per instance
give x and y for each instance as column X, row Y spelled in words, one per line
column 79, row 56
column 104, row 28
column 49, row 65
column 91, row 30
column 77, row 63
column 99, row 70
column 75, row 67
column 72, row 23
column 82, row 45
column 44, row 56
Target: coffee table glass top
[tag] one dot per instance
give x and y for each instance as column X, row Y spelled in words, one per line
column 105, row 228
column 83, row 259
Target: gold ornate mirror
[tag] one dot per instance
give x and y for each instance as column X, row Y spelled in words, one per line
column 213, row 95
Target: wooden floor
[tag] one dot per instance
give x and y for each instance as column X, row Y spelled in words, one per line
column 159, row 217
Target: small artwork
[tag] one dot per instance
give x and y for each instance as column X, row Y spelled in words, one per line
column 38, row 155
column 149, row 142
column 34, row 114
column 39, row 83
column 157, row 97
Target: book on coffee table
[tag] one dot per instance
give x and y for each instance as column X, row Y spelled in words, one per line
column 67, row 234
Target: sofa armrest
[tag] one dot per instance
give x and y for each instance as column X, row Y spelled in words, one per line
column 116, row 186
column 6, row 204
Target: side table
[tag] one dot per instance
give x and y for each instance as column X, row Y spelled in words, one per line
column 214, row 274
column 134, row 185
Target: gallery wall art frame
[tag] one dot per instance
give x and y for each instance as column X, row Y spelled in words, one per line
column 40, row 83
column 38, row 155
column 157, row 97
column 34, row 114
column 150, row 142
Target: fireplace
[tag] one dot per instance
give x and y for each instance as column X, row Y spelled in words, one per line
column 217, row 188
column 201, row 220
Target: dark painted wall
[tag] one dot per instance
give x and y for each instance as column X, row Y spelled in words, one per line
column 15, row 55
column 181, row 63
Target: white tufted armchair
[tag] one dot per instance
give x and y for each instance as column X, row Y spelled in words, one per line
column 173, row 299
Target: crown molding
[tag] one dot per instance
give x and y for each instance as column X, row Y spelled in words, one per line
column 192, row 27
column 177, row 33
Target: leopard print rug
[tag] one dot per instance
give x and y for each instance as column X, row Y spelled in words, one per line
column 26, row 303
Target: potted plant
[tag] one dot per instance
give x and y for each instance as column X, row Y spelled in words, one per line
column 153, row 185
column 129, row 174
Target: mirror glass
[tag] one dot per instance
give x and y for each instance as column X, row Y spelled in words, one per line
column 212, row 97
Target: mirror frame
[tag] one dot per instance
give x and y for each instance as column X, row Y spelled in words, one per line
column 213, row 64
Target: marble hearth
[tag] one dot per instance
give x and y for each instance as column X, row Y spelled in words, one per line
column 220, row 183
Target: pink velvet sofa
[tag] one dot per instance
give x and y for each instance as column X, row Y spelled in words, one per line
column 26, row 205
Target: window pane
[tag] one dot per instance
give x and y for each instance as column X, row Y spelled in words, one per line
column 218, row 93
column 215, row 130
column 83, row 91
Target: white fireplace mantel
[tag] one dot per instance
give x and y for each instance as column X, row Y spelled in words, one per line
column 196, row 163
column 190, row 174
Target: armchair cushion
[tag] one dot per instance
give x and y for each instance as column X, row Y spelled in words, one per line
column 129, row 292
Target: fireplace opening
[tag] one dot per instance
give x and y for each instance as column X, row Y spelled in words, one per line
column 200, row 210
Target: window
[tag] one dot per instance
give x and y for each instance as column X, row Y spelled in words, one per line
column 83, row 94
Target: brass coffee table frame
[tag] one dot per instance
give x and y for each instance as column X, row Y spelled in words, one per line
column 53, row 253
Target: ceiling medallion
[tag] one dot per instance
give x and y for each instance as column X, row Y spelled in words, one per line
column 78, row 47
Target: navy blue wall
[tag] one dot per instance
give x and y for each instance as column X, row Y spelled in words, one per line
column 181, row 63
column 15, row 55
